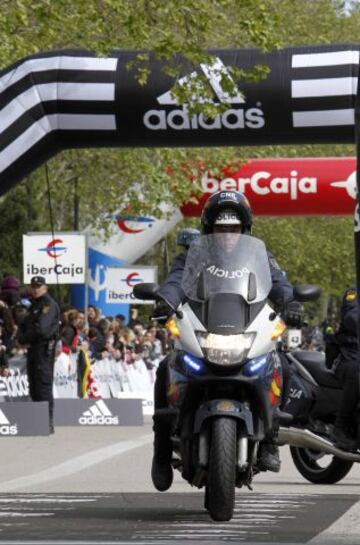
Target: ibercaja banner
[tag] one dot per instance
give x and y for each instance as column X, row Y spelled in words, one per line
column 302, row 186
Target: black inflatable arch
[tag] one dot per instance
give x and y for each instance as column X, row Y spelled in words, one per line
column 65, row 99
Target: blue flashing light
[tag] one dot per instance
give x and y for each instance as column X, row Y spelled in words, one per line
column 254, row 365
column 193, row 363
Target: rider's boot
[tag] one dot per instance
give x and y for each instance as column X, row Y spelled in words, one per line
column 161, row 469
column 269, row 456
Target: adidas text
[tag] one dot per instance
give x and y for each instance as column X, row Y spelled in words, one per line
column 179, row 119
column 8, row 430
column 98, row 420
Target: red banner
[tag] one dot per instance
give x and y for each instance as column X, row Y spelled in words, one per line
column 288, row 187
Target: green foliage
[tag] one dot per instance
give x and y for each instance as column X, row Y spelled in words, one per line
column 169, row 30
column 16, row 218
column 312, row 250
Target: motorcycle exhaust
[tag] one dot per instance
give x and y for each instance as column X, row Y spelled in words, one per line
column 295, row 437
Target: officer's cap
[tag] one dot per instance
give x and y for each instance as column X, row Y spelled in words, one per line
column 37, row 280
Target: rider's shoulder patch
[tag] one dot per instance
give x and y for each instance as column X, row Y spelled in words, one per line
column 350, row 295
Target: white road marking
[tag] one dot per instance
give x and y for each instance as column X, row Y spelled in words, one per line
column 75, row 465
column 18, row 514
column 252, row 517
column 45, row 500
column 344, row 530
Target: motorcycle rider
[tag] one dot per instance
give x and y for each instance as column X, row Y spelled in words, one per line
column 229, row 213
column 342, row 356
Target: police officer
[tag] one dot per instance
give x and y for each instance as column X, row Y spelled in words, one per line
column 342, row 356
column 228, row 213
column 39, row 331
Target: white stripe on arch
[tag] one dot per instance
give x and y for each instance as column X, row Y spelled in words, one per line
column 57, row 63
column 47, row 124
column 331, row 58
column 323, row 87
column 54, row 91
column 324, row 118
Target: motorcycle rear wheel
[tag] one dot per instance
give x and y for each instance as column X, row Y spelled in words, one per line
column 306, row 463
column 220, row 493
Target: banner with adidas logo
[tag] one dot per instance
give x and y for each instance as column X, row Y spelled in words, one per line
column 308, row 96
column 24, row 419
column 5, row 427
column 100, row 412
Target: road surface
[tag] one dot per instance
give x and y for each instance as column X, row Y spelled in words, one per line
column 93, row 485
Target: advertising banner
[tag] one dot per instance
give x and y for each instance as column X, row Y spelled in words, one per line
column 98, row 264
column 65, row 376
column 287, row 187
column 132, row 236
column 24, row 419
column 15, row 387
column 110, row 378
column 121, row 281
column 308, row 96
column 60, row 259
column 91, row 412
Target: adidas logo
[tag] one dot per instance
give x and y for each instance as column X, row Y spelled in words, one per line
column 179, row 118
column 98, row 415
column 5, row 427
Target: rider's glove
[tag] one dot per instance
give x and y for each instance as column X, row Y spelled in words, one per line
column 162, row 311
column 293, row 314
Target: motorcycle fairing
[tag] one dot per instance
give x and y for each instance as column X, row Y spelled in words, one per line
column 224, row 407
column 185, row 383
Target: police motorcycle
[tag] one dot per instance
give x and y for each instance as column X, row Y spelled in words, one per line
column 224, row 375
column 311, row 404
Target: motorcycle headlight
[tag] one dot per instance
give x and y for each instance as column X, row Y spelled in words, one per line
column 225, row 349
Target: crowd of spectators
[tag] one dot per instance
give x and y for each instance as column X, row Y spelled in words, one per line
column 102, row 336
column 106, row 337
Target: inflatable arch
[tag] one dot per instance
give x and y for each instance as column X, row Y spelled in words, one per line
column 66, row 99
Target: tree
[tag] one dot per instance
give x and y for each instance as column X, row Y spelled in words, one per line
column 17, row 216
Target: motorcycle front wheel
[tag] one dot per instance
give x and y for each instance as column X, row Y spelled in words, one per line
column 220, row 489
column 319, row 468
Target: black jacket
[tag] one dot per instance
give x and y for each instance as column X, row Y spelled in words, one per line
column 346, row 337
column 172, row 292
column 41, row 322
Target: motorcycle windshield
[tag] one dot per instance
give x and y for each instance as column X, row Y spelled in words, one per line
column 227, row 263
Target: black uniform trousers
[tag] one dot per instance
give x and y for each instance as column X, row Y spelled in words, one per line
column 40, row 371
column 160, row 397
column 347, row 371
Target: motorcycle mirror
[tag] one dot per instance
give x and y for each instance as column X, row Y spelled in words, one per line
column 146, row 291
column 306, row 292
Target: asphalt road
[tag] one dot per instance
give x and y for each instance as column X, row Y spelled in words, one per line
column 93, row 485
